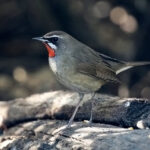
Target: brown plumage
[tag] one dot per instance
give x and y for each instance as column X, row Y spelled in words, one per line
column 79, row 67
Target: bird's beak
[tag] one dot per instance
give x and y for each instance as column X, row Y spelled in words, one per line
column 39, row 39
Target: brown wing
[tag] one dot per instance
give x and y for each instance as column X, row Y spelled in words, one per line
column 99, row 71
column 91, row 63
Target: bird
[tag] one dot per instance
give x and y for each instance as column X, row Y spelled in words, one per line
column 79, row 67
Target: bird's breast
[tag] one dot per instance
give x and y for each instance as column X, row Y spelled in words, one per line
column 61, row 67
column 66, row 74
column 53, row 65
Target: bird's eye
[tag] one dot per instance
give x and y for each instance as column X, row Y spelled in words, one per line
column 53, row 40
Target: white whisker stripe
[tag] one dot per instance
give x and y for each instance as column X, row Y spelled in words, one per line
column 52, row 46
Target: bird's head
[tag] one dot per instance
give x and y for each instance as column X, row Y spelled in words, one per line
column 55, row 42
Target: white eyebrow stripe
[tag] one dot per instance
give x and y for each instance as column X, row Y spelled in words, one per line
column 52, row 46
column 56, row 36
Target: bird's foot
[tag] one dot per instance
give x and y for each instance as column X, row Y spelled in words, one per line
column 75, row 111
column 69, row 123
column 88, row 122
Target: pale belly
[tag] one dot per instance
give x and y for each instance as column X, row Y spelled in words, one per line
column 74, row 80
column 80, row 83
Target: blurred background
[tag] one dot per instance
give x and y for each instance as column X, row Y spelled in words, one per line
column 119, row 28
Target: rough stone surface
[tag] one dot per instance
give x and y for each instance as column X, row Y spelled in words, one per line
column 30, row 123
column 50, row 134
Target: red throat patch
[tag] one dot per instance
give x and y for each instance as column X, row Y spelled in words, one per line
column 51, row 52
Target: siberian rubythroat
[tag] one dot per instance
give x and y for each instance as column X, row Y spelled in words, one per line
column 79, row 67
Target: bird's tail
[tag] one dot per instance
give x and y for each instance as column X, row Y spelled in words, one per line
column 129, row 65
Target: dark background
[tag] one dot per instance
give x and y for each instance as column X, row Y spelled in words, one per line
column 119, row 28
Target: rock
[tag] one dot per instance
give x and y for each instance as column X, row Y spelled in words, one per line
column 50, row 134
column 31, row 123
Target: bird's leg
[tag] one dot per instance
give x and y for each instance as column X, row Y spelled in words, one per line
column 75, row 111
column 91, row 116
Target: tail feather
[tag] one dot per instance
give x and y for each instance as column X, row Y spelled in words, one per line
column 138, row 63
column 129, row 65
